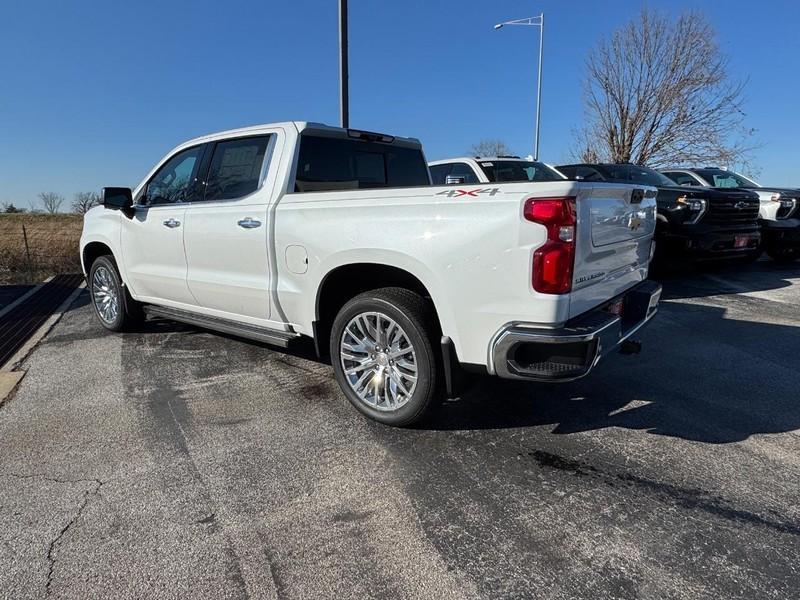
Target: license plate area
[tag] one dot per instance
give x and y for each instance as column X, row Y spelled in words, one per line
column 634, row 307
column 741, row 241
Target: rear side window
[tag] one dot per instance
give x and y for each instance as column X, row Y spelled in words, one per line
column 439, row 173
column 681, row 178
column 589, row 174
column 349, row 164
column 568, row 172
column 518, row 170
column 585, row 173
column 235, row 169
column 464, row 170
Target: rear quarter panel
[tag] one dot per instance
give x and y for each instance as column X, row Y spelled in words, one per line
column 473, row 253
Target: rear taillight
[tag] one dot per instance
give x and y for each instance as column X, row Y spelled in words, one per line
column 553, row 262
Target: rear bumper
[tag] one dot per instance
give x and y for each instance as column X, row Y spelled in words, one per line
column 520, row 351
column 781, row 234
column 710, row 244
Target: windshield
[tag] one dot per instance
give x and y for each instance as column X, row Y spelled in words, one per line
column 518, row 170
column 632, row 173
column 720, row 178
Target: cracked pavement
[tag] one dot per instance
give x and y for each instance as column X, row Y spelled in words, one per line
column 176, row 463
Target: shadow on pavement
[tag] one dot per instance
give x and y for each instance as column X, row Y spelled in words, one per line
column 710, row 280
column 702, row 376
column 10, row 293
column 744, row 384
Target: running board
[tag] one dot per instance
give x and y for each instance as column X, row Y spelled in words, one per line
column 251, row 332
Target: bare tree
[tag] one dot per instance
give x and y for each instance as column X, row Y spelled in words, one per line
column 657, row 92
column 83, row 201
column 51, row 201
column 489, row 148
column 9, row 208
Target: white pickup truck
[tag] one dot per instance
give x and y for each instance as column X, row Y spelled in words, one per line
column 298, row 229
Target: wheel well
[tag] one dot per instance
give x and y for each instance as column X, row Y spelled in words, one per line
column 92, row 252
column 346, row 282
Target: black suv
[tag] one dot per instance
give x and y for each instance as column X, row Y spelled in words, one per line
column 693, row 223
column 780, row 207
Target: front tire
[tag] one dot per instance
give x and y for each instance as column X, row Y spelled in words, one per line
column 783, row 255
column 114, row 307
column 383, row 356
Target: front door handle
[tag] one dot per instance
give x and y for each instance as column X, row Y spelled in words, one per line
column 249, row 223
column 172, row 223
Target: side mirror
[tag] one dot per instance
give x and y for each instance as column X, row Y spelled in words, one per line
column 117, row 198
column 454, row 180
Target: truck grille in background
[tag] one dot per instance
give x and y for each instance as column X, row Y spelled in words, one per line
column 733, row 211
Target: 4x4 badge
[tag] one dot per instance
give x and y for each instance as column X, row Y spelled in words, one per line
column 474, row 193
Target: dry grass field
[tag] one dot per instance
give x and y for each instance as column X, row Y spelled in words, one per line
column 51, row 248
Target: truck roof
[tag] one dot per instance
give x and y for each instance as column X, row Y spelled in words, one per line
column 301, row 126
column 477, row 158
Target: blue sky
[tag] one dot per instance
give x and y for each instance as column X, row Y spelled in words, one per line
column 93, row 93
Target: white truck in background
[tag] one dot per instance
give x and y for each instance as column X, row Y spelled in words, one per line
column 297, row 229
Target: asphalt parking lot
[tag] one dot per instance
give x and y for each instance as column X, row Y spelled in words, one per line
column 178, row 463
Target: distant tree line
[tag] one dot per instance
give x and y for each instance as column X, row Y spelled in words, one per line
column 51, row 203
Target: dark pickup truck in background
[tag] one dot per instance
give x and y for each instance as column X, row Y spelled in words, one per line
column 701, row 223
column 779, row 213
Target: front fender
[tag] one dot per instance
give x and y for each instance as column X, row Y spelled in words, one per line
column 101, row 225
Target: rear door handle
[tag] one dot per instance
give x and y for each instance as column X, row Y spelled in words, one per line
column 249, row 223
column 172, row 223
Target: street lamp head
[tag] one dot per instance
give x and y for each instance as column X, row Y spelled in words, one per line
column 498, row 26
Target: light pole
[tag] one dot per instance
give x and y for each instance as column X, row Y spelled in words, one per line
column 344, row 96
column 536, row 22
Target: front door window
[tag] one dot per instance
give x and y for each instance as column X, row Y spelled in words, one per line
column 176, row 180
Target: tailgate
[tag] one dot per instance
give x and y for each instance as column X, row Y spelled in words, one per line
column 615, row 228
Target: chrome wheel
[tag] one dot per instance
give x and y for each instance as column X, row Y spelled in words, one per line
column 105, row 294
column 379, row 361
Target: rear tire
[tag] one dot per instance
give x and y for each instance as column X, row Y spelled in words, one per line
column 383, row 356
column 113, row 305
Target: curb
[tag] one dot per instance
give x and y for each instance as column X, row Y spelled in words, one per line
column 10, row 375
column 24, row 297
column 8, row 383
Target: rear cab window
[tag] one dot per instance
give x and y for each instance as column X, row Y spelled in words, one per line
column 336, row 163
column 518, row 170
